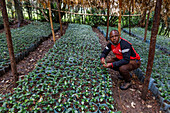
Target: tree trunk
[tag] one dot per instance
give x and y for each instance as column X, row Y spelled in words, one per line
column 166, row 31
column 120, row 12
column 19, row 12
column 142, row 21
column 123, row 22
column 162, row 28
column 82, row 15
column 146, row 28
column 108, row 6
column 12, row 12
column 129, row 21
column 51, row 21
column 154, row 32
column 9, row 41
column 58, row 4
column 29, row 9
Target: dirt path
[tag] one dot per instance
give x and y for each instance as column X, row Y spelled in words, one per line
column 129, row 101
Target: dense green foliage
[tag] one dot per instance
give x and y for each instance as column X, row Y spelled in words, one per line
column 161, row 61
column 68, row 78
column 23, row 38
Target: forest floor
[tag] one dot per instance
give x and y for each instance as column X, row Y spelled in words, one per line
column 128, row 101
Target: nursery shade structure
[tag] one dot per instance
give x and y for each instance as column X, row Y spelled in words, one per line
column 137, row 6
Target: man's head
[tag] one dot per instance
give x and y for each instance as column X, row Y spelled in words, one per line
column 114, row 36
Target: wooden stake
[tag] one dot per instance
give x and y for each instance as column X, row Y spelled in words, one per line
column 120, row 13
column 146, row 28
column 51, row 21
column 129, row 19
column 9, row 41
column 133, row 5
column 61, row 32
column 108, row 5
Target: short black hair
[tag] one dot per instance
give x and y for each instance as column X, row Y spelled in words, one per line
column 115, row 31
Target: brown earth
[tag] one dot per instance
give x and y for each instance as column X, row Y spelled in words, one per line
column 128, row 101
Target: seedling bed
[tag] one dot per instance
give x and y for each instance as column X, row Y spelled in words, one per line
column 68, row 79
column 24, row 39
column 162, row 42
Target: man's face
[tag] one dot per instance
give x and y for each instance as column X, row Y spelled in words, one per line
column 114, row 37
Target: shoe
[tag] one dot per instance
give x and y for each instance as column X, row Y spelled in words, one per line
column 125, row 85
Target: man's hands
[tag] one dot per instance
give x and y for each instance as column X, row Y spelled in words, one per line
column 103, row 61
column 106, row 65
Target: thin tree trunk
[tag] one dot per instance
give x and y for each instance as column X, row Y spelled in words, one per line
column 108, row 6
column 12, row 12
column 142, row 21
column 51, row 20
column 166, row 31
column 9, row 41
column 146, row 28
column 82, row 15
column 162, row 28
column 123, row 22
column 120, row 12
column 129, row 21
column 133, row 5
column 59, row 18
column 70, row 14
column 154, row 33
column 19, row 12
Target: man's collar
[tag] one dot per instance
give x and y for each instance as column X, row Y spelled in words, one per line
column 115, row 44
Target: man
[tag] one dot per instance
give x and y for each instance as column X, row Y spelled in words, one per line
column 126, row 58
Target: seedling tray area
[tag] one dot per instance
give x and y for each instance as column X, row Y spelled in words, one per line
column 25, row 39
column 162, row 42
column 68, row 79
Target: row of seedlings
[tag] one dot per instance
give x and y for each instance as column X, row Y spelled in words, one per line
column 25, row 39
column 67, row 79
column 159, row 82
column 162, row 42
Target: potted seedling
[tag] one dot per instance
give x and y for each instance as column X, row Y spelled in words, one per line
column 95, row 99
column 111, row 106
column 110, row 99
column 59, row 108
column 83, row 108
column 103, row 108
column 68, row 104
column 76, row 104
column 93, row 108
column 102, row 100
column 109, row 92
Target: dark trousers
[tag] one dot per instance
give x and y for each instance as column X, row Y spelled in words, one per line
column 124, row 70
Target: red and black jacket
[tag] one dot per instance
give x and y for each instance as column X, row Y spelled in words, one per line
column 124, row 51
